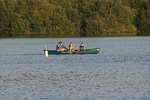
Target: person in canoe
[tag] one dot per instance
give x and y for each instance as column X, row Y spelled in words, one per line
column 71, row 48
column 60, row 47
column 82, row 46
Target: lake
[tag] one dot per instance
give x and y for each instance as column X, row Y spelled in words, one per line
column 120, row 72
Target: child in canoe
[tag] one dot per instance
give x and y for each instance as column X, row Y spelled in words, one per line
column 71, row 47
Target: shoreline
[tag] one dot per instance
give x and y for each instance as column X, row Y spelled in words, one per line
column 71, row 37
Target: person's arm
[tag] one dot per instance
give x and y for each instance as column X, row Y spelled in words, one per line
column 57, row 47
column 64, row 47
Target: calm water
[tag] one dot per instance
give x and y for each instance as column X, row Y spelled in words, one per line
column 120, row 72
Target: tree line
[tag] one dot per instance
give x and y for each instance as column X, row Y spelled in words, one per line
column 74, row 18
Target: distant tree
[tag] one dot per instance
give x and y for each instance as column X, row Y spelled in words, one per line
column 59, row 18
column 144, row 13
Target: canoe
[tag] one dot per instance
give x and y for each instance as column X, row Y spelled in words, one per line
column 85, row 51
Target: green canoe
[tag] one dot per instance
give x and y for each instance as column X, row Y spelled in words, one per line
column 85, row 51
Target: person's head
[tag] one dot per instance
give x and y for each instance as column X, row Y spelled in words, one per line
column 81, row 42
column 70, row 43
column 60, row 42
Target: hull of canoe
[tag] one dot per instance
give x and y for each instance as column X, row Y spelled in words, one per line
column 85, row 51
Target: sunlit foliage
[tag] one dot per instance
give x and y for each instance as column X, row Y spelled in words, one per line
column 69, row 18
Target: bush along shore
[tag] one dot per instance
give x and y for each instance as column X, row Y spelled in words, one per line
column 74, row 18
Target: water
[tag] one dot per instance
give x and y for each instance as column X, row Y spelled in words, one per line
column 120, row 72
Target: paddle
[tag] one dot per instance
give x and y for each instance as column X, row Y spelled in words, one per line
column 46, row 51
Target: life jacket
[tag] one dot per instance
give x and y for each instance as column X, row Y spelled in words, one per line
column 71, row 46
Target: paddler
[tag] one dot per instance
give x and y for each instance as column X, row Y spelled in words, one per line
column 82, row 46
column 60, row 47
column 71, row 47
